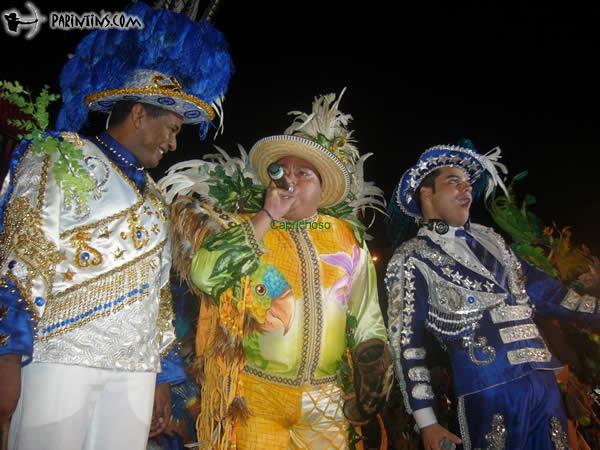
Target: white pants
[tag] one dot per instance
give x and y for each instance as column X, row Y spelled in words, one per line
column 82, row 408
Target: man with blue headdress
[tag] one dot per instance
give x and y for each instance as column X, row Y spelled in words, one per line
column 461, row 282
column 85, row 304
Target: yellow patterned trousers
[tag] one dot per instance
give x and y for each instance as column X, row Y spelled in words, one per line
column 288, row 417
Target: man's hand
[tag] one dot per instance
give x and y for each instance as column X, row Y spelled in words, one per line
column 433, row 434
column 10, row 386
column 161, row 415
column 591, row 279
column 278, row 201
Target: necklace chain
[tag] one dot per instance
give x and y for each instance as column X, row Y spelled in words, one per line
column 118, row 155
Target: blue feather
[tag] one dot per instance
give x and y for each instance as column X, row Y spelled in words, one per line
column 399, row 226
column 195, row 53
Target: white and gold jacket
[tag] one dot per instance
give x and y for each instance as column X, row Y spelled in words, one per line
column 94, row 279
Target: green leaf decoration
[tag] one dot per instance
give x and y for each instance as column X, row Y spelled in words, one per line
column 351, row 324
column 353, row 437
column 344, row 212
column 237, row 193
column 75, row 181
column 343, row 376
column 344, row 372
column 236, row 258
column 535, row 256
column 520, row 176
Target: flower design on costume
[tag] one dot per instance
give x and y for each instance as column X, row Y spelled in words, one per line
column 341, row 288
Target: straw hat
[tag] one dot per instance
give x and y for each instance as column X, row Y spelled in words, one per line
column 320, row 138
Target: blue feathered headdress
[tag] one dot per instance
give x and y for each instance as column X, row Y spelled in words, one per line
column 173, row 62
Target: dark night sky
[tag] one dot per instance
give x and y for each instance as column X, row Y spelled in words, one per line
column 523, row 77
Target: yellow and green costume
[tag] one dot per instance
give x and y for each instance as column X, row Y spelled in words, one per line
column 300, row 284
column 278, row 316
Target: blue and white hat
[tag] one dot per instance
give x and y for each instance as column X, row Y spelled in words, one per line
column 172, row 62
column 479, row 168
column 155, row 88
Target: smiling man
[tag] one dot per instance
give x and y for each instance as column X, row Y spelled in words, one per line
column 145, row 130
column 462, row 283
column 85, row 303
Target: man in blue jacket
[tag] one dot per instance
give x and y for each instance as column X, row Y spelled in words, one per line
column 462, row 283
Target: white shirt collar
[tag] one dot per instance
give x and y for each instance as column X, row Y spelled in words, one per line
column 457, row 248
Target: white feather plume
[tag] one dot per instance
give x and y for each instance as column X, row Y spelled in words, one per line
column 325, row 124
column 217, row 105
column 328, row 121
column 193, row 176
column 365, row 194
column 491, row 163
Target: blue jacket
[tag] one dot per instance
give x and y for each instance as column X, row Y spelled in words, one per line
column 436, row 283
